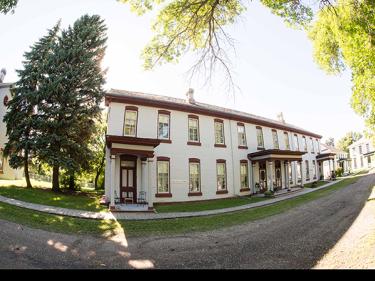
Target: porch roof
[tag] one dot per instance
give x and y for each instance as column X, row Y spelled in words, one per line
column 276, row 154
column 369, row 153
column 142, row 147
column 325, row 156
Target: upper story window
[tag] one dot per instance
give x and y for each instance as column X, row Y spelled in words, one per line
column 241, row 134
column 367, row 147
column 193, row 129
column 163, row 125
column 260, row 137
column 296, row 145
column 360, row 149
column 304, row 143
column 275, row 139
column 353, row 149
column 286, row 141
column 219, row 132
column 312, row 145
column 131, row 117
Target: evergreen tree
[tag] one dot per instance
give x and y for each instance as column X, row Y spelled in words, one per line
column 20, row 117
column 70, row 97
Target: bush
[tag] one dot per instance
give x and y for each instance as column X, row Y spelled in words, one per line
column 269, row 194
column 339, row 172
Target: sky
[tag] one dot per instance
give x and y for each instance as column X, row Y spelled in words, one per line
column 272, row 65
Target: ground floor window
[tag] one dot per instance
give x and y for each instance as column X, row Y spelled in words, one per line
column 361, row 162
column 194, row 177
column 299, row 172
column 314, row 168
column 307, row 169
column 163, row 176
column 244, row 173
column 290, row 173
column 221, row 176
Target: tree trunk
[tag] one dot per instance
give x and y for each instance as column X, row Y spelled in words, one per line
column 71, row 181
column 55, row 179
column 26, row 168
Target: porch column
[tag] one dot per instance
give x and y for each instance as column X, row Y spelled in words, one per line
column 301, row 171
column 144, row 175
column 113, row 181
column 295, row 173
column 286, row 173
column 149, row 185
column 253, row 177
column 334, row 164
column 329, row 168
column 270, row 176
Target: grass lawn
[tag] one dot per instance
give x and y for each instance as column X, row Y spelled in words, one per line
column 160, row 227
column 208, row 205
column 42, row 194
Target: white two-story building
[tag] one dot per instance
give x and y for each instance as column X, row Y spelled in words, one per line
column 362, row 154
column 163, row 149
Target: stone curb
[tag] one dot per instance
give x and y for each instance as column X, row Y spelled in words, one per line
column 157, row 216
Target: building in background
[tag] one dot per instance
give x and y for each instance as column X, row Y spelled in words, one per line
column 330, row 159
column 362, row 154
column 165, row 149
column 6, row 172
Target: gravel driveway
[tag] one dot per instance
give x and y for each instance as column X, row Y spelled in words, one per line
column 298, row 238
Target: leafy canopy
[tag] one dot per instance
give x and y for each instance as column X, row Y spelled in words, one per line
column 347, row 140
column 7, row 6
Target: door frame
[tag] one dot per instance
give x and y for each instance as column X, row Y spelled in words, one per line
column 266, row 176
column 135, row 160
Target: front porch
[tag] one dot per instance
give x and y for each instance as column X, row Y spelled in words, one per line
column 129, row 170
column 276, row 170
column 327, row 171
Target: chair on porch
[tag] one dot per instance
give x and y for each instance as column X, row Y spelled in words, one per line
column 142, row 198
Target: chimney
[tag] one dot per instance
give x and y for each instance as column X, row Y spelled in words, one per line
column 3, row 72
column 280, row 117
column 190, row 96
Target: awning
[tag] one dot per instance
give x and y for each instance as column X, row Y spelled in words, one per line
column 142, row 147
column 326, row 156
column 276, row 154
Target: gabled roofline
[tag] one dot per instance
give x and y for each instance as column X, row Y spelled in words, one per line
column 191, row 108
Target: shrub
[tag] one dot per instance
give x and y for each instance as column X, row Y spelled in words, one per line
column 268, row 193
column 339, row 172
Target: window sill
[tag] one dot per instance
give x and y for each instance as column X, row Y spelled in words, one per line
column 194, row 143
column 195, row 194
column 163, row 195
column 244, row 189
column 242, row 147
column 220, row 145
column 165, row 141
column 222, row 192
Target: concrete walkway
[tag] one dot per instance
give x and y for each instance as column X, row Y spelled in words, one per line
column 153, row 216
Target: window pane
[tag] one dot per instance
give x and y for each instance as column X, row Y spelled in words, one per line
column 130, row 123
column 163, row 126
column 275, row 140
column 286, row 139
column 219, row 133
column 193, row 130
column 221, row 176
column 241, row 135
column 244, row 175
column 194, row 185
column 260, row 137
column 163, row 176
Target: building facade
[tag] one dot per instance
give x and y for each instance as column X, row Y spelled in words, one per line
column 6, row 172
column 178, row 150
column 362, row 154
column 330, row 159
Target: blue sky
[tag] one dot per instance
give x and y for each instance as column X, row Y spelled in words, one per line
column 273, row 65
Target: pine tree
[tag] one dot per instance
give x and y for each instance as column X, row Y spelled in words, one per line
column 70, row 96
column 20, row 117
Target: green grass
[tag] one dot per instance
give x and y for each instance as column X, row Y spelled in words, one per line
column 208, row 205
column 88, row 201
column 160, row 227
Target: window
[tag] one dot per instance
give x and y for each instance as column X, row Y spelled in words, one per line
column 1, row 161
column 244, row 173
column 360, row 149
column 193, row 129
column 367, row 148
column 194, row 176
column 241, row 135
column 304, row 143
column 307, row 170
column 355, row 163
column 163, row 176
column 260, row 137
column 314, row 168
column 275, row 139
column 130, row 128
column 353, row 151
column 312, row 146
column 163, row 126
column 361, row 161
column 318, row 144
column 219, row 132
column 290, row 173
column 221, row 176
column 296, row 146
column 286, row 140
